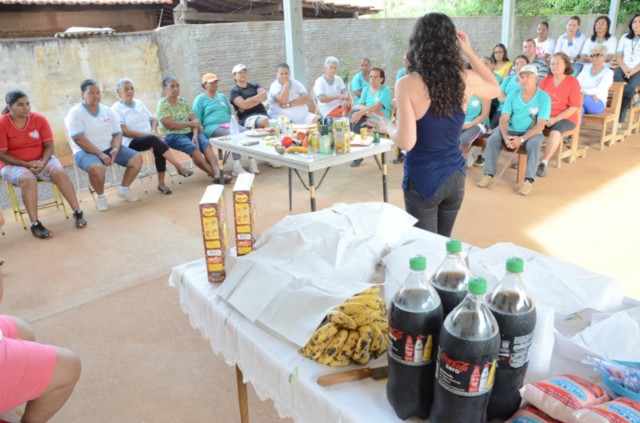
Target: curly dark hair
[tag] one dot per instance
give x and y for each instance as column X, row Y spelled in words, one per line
column 434, row 53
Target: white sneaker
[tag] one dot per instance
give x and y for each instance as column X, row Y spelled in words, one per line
column 237, row 168
column 274, row 165
column 127, row 194
column 253, row 167
column 101, row 203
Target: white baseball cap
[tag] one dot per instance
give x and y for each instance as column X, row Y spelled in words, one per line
column 529, row 68
column 237, row 68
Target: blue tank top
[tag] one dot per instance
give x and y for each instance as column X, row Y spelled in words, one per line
column 436, row 155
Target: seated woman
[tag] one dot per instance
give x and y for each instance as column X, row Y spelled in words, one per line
column 26, row 157
column 501, row 64
column 183, row 132
column 566, row 100
column 289, row 98
column 476, row 123
column 600, row 37
column 214, row 112
column 331, row 92
column 628, row 70
column 140, row 132
column 97, row 143
column 43, row 376
column 595, row 81
column 571, row 43
column 374, row 103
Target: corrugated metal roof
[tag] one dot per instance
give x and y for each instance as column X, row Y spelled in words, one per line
column 82, row 2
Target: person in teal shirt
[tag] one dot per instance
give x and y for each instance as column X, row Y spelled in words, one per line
column 375, row 101
column 360, row 80
column 213, row 111
column 524, row 116
column 403, row 71
column 476, row 123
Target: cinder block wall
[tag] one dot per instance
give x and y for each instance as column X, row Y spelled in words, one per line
column 50, row 70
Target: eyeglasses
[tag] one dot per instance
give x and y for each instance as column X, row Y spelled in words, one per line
column 596, row 55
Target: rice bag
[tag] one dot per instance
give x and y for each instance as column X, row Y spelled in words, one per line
column 529, row 414
column 560, row 396
column 621, row 410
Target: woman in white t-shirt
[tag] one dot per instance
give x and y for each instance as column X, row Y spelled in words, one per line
column 628, row 57
column 601, row 36
column 571, row 42
column 331, row 92
column 595, row 81
column 140, row 132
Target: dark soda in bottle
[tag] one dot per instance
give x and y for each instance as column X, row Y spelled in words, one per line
column 415, row 319
column 467, row 354
column 451, row 278
column 515, row 312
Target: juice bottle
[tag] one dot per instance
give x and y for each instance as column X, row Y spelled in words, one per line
column 450, row 280
column 465, row 365
column 515, row 312
column 415, row 319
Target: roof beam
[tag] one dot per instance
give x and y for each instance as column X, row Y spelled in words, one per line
column 192, row 15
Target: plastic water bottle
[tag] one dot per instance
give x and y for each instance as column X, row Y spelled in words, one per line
column 415, row 319
column 515, row 312
column 234, row 128
column 466, row 361
column 451, row 278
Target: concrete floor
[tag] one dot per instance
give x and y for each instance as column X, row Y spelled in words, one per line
column 102, row 291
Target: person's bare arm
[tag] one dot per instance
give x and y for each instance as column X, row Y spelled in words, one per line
column 169, row 123
column 480, row 81
column 484, row 113
column 130, row 132
column 248, row 103
column 283, row 97
column 86, row 145
column 565, row 114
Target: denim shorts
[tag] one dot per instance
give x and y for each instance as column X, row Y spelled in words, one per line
column 13, row 173
column 184, row 142
column 85, row 160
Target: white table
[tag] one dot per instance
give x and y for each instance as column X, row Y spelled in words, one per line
column 308, row 163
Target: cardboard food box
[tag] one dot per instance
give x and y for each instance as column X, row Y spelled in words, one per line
column 244, row 211
column 214, row 231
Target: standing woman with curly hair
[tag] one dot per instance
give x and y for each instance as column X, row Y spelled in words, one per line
column 430, row 114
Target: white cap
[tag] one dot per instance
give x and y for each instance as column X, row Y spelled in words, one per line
column 237, row 68
column 529, row 68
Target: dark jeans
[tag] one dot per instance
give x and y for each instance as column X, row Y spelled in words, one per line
column 159, row 148
column 628, row 92
column 438, row 213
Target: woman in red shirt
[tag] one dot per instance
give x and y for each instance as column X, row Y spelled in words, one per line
column 26, row 157
column 566, row 100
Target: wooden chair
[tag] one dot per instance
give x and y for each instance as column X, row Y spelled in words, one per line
column 18, row 210
column 572, row 150
column 633, row 127
column 607, row 121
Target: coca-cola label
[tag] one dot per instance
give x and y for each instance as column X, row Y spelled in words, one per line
column 464, row 378
column 514, row 351
column 410, row 349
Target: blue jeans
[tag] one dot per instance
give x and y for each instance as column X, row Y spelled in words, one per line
column 438, row 213
column 629, row 90
column 184, row 142
column 495, row 144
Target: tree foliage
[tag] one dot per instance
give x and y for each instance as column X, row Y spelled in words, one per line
column 542, row 8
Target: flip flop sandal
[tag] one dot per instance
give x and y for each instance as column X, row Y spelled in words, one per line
column 78, row 218
column 186, row 173
column 165, row 191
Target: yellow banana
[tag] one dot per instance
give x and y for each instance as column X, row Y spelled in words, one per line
column 334, row 347
column 362, row 358
column 302, row 150
column 340, row 362
column 350, row 345
column 341, row 319
column 364, row 341
column 374, row 302
column 319, row 349
column 352, row 308
column 373, row 290
column 376, row 340
column 365, row 318
column 324, row 332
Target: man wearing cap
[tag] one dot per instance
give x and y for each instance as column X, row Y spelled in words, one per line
column 247, row 99
column 524, row 115
column 289, row 98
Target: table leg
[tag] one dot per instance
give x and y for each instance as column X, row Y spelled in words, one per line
column 385, row 193
column 290, row 189
column 312, row 192
column 243, row 402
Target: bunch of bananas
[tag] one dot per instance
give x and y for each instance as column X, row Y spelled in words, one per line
column 355, row 331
